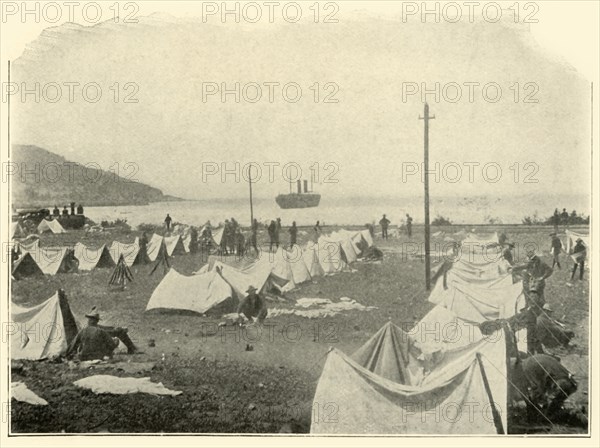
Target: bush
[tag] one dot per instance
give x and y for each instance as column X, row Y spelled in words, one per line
column 119, row 224
column 146, row 227
column 441, row 221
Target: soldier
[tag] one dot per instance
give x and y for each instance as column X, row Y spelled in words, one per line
column 409, row 225
column 93, row 342
column 272, row 229
column 253, row 306
column 507, row 252
column 555, row 249
column 384, row 223
column 277, row 231
column 535, row 273
column 579, row 254
column 168, row 220
column 293, row 234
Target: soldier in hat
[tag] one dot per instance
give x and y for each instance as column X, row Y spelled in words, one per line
column 535, row 272
column 535, row 306
column 507, row 252
column 93, row 342
column 253, row 306
column 579, row 254
column 555, row 249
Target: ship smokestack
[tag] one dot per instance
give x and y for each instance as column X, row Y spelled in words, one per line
column 305, row 186
column 299, row 183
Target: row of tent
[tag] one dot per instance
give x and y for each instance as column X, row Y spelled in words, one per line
column 36, row 260
column 443, row 376
column 53, row 226
column 46, row 330
column 222, row 279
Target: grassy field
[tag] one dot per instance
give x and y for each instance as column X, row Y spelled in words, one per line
column 226, row 388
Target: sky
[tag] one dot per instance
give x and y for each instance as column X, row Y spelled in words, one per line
column 525, row 130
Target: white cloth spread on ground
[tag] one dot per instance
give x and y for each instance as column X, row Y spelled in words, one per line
column 316, row 308
column 108, row 384
column 20, row 392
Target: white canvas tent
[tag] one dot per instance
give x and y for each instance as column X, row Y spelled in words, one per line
column 330, row 255
column 198, row 293
column 258, row 274
column 42, row 331
column 155, row 247
column 455, row 385
column 310, row 255
column 25, row 266
column 52, row 260
column 50, row 226
column 174, row 245
column 93, row 257
column 131, row 252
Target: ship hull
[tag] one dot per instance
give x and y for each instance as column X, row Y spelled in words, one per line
column 295, row 200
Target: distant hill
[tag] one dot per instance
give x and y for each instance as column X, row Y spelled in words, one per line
column 45, row 179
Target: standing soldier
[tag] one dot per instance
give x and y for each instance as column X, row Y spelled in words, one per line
column 193, row 247
column 240, row 242
column 277, row 231
column 317, row 229
column 293, row 234
column 507, row 252
column 271, row 230
column 579, row 254
column 384, row 222
column 556, row 219
column 168, row 220
column 535, row 274
column 409, row 225
column 555, row 249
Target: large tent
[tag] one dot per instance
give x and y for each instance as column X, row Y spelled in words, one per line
column 155, row 247
column 330, row 255
column 246, row 273
column 25, row 266
column 310, row 255
column 42, row 331
column 174, row 245
column 93, row 257
column 53, row 260
column 198, row 293
column 425, row 381
column 50, row 226
column 131, row 252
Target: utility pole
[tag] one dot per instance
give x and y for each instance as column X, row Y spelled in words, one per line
column 250, row 183
column 426, row 119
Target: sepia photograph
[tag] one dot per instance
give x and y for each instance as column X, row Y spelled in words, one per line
column 332, row 222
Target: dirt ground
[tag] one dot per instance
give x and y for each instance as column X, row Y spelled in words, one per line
column 228, row 388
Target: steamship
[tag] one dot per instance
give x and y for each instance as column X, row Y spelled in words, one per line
column 299, row 199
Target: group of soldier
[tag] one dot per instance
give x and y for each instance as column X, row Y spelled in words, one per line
column 384, row 222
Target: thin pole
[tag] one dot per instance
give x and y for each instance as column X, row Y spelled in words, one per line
column 426, row 119
column 250, row 183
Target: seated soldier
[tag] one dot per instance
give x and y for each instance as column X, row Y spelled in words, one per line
column 93, row 342
column 252, row 306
